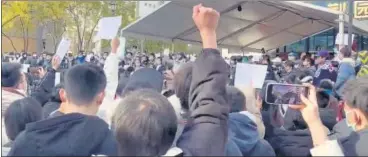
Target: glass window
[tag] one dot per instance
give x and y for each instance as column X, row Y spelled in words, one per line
column 297, row 47
column 365, row 43
column 322, row 41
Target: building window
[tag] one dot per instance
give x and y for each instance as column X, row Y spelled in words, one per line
column 322, row 41
column 296, row 47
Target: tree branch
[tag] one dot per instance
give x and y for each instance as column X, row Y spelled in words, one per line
column 11, row 41
column 6, row 22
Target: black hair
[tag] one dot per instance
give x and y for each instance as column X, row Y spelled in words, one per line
column 160, row 59
column 129, row 53
column 55, row 96
column 144, row 124
column 267, row 58
column 19, row 113
column 236, row 99
column 355, row 94
column 311, row 61
column 182, row 81
column 123, row 81
column 84, row 82
column 11, row 74
column 326, row 84
column 289, row 63
column 323, row 99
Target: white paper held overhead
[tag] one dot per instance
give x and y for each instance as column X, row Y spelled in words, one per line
column 339, row 40
column 108, row 27
column 63, row 48
column 250, row 75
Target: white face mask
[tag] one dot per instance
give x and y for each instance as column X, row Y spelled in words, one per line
column 352, row 126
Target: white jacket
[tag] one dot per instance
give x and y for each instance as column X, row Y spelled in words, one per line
column 111, row 69
column 328, row 148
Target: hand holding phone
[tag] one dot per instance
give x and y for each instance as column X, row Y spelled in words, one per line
column 279, row 94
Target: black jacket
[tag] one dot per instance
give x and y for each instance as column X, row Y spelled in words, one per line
column 206, row 131
column 291, row 143
column 42, row 92
column 66, row 135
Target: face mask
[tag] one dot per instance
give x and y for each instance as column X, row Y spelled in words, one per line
column 327, row 91
column 335, row 50
column 352, row 126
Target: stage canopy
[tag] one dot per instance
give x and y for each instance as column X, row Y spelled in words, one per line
column 251, row 27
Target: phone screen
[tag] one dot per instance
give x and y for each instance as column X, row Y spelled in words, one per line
column 285, row 94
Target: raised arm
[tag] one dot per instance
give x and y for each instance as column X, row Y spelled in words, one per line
column 206, row 131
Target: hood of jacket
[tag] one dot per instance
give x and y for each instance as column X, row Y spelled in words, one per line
column 349, row 61
column 7, row 97
column 145, row 78
column 243, row 133
column 67, row 135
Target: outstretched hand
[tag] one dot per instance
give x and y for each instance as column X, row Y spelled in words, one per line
column 309, row 108
column 206, row 20
column 310, row 113
column 55, row 63
column 115, row 45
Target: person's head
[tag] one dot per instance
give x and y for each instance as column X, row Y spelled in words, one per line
column 356, row 103
column 144, row 78
column 303, row 54
column 266, row 60
column 144, row 124
column 55, row 96
column 158, row 61
column 308, row 62
column 181, row 82
column 344, row 53
column 34, row 54
column 129, row 55
column 152, row 57
column 17, row 55
column 13, row 77
column 289, row 66
column 322, row 56
column 24, row 55
column 137, row 62
column 20, row 113
column 236, row 99
column 48, row 57
column 291, row 57
column 144, row 60
column 84, row 87
column 105, row 54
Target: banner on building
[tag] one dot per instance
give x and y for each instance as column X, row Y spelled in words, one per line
column 361, row 9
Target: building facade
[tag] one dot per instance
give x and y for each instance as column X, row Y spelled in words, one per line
column 326, row 40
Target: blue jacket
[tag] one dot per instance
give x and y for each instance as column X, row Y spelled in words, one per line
column 243, row 138
column 345, row 73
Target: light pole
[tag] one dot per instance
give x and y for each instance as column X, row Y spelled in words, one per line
column 350, row 25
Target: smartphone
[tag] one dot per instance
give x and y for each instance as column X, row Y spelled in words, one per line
column 278, row 94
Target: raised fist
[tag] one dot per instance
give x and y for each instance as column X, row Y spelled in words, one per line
column 114, row 45
column 206, row 19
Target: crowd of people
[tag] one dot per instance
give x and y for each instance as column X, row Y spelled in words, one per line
column 143, row 105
